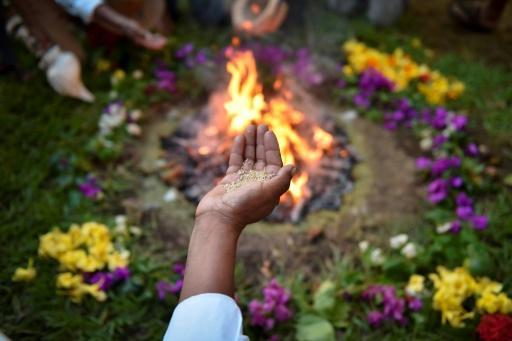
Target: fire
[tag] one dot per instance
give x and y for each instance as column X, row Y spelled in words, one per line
column 246, row 104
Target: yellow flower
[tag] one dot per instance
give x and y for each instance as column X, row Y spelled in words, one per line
column 453, row 287
column 76, row 289
column 118, row 259
column 402, row 70
column 117, row 76
column 415, row 285
column 103, row 65
column 25, row 274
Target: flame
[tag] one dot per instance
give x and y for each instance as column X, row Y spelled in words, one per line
column 247, row 105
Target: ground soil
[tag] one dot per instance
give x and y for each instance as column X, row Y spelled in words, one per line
column 386, row 195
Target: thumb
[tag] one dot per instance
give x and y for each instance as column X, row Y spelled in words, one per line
column 280, row 183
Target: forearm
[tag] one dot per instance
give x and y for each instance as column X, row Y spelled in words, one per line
column 211, row 258
column 111, row 20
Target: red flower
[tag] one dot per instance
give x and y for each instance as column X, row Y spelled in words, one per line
column 495, row 327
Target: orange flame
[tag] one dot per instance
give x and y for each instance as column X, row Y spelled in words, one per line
column 247, row 105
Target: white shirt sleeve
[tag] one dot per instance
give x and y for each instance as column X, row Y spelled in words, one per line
column 212, row 317
column 81, row 8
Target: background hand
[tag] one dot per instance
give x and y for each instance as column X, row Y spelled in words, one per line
column 257, row 149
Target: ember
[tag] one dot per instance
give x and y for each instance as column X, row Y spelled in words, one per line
column 202, row 142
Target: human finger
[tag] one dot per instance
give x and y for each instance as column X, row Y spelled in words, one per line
column 272, row 153
column 236, row 156
column 260, row 147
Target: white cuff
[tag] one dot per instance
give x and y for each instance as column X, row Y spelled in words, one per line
column 213, row 317
column 81, row 8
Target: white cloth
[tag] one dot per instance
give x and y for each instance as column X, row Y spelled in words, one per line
column 212, row 317
column 81, row 8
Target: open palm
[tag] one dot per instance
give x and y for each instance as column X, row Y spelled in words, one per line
column 257, row 149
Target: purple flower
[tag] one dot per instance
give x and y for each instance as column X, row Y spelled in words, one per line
column 472, row 150
column 459, row 122
column 462, row 199
column 456, row 226
column 176, row 287
column 362, row 100
column 439, row 119
column 305, row 70
column 184, row 51
column 403, row 115
column 201, row 57
column 90, row 188
column 464, row 212
column 179, row 268
column 479, row 222
column 166, row 79
column 438, row 141
column 273, row 309
column 375, row 318
column 121, row 273
column 415, row 304
column 423, row 162
column 437, row 191
column 163, row 288
column 457, row 182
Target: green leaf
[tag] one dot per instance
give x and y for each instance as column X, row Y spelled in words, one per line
column 324, row 298
column 314, row 328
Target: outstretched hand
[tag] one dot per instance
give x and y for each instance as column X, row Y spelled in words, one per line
column 257, row 150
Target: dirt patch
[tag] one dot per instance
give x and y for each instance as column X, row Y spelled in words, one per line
column 386, row 193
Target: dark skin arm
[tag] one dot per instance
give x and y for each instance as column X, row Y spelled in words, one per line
column 221, row 216
column 120, row 24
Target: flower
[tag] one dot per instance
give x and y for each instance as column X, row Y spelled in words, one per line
column 456, row 226
column 402, row 70
column 90, row 187
column 133, row 129
column 415, row 285
column 479, row 222
column 375, row 318
column 376, row 257
column 472, row 150
column 74, row 286
column 423, row 163
column 363, row 245
column 459, row 122
column 457, row 182
column 495, row 327
column 454, row 287
column 184, row 50
column 464, row 212
column 398, row 241
column 25, row 274
column 414, row 303
column 444, row 227
column 437, row 191
column 117, row 77
column 409, row 250
column 166, row 79
column 273, row 309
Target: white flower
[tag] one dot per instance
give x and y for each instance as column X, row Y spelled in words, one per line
column 398, row 241
column 376, row 257
column 170, row 195
column 426, row 143
column 444, row 228
column 120, row 219
column 409, row 250
column 135, row 230
column 135, row 115
column 133, row 129
column 137, row 74
column 113, row 94
column 363, row 245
